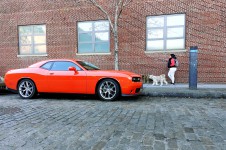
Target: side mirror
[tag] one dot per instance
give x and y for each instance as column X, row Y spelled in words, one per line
column 73, row 69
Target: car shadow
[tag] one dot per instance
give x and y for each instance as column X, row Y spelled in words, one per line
column 6, row 92
column 57, row 96
column 129, row 98
column 66, row 96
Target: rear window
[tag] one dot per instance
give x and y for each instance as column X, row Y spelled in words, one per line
column 47, row 65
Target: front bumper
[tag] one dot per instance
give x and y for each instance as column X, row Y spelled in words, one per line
column 133, row 89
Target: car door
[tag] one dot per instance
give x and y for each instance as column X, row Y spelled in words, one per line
column 62, row 80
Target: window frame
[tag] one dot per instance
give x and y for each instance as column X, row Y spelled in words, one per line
column 33, row 44
column 165, row 37
column 93, row 41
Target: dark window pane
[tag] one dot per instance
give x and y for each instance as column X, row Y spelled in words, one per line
column 39, row 29
column 25, row 40
column 101, row 25
column 40, row 39
column 157, row 21
column 40, row 49
column 101, row 37
column 84, row 26
column 155, row 45
column 63, row 66
column 175, row 20
column 25, row 50
column 24, row 30
column 175, row 32
column 85, row 37
column 85, row 48
column 155, row 33
column 102, row 47
column 175, row 44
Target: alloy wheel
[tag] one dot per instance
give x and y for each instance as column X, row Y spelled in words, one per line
column 26, row 89
column 108, row 90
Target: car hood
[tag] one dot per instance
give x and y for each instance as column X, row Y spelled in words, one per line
column 115, row 72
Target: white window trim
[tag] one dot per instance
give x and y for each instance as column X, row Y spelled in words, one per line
column 164, row 51
column 32, row 44
column 165, row 34
column 93, row 54
column 41, row 55
column 93, row 38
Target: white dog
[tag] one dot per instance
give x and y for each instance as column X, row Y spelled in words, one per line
column 156, row 79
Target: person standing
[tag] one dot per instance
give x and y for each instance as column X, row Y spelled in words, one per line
column 172, row 65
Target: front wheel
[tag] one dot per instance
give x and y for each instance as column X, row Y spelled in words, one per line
column 26, row 89
column 108, row 90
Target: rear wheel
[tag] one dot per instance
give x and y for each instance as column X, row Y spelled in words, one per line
column 108, row 90
column 26, row 89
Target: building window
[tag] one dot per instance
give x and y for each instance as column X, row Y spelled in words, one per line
column 166, row 32
column 32, row 40
column 93, row 37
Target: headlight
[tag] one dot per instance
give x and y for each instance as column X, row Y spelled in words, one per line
column 136, row 79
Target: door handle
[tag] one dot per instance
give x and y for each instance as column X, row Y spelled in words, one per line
column 51, row 73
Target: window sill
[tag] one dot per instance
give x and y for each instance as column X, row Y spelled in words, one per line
column 41, row 55
column 164, row 51
column 82, row 54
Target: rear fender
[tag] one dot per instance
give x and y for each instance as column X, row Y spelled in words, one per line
column 23, row 79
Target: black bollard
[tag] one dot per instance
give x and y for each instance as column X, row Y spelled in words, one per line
column 193, row 61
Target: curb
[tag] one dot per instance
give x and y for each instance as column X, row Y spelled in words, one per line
column 183, row 93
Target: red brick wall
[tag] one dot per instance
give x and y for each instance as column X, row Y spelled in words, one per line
column 205, row 28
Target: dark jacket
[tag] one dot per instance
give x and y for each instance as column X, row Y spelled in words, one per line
column 171, row 63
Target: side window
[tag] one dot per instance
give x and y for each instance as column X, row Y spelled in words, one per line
column 63, row 66
column 47, row 65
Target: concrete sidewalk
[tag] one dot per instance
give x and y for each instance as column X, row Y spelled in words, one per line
column 182, row 90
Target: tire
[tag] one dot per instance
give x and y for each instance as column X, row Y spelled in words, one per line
column 26, row 89
column 108, row 90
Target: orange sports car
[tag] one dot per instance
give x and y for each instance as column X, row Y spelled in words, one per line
column 72, row 76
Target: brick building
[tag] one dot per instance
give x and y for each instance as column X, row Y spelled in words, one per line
column 149, row 30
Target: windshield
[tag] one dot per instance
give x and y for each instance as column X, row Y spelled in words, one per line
column 87, row 65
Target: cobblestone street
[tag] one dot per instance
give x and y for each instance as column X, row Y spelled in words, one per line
column 60, row 122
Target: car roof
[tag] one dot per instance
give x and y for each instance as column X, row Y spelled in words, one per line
column 40, row 63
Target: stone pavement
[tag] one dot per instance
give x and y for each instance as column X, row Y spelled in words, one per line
column 62, row 122
column 182, row 90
